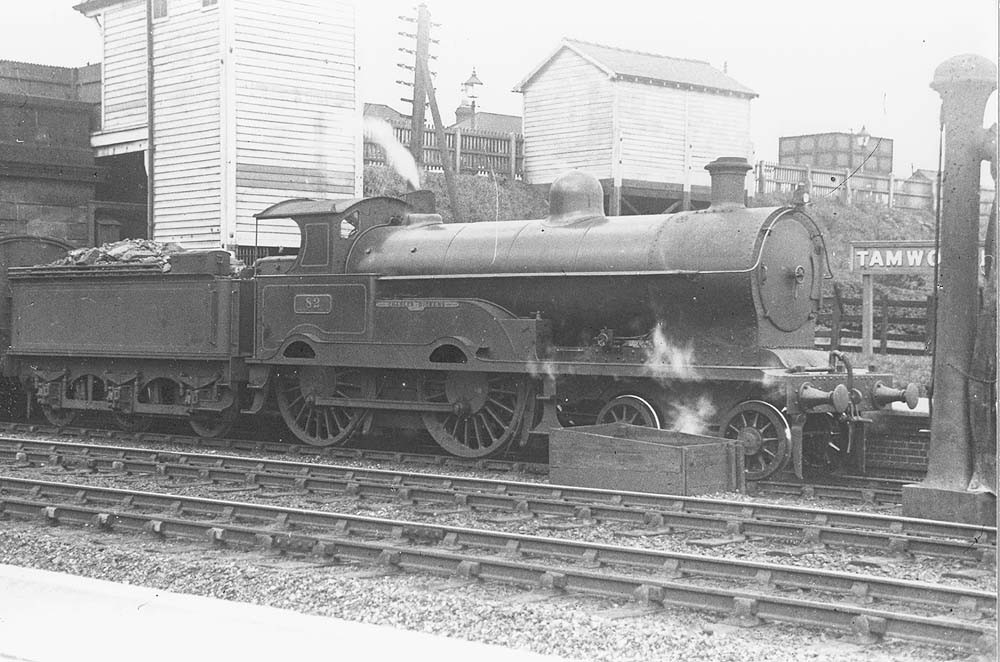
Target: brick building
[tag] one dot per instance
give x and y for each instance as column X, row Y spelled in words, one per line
column 870, row 155
column 49, row 178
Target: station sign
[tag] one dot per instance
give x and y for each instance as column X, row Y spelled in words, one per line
column 897, row 257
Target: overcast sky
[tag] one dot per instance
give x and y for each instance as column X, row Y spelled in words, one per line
column 817, row 66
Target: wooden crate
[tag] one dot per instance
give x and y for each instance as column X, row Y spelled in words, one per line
column 639, row 459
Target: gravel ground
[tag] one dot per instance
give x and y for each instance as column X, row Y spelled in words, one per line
column 575, row 628
column 767, row 550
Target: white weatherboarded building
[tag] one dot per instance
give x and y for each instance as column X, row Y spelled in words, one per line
column 254, row 102
column 645, row 124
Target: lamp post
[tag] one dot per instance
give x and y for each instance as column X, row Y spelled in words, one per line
column 860, row 140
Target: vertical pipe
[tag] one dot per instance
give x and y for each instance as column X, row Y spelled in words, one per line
column 867, row 316
column 965, row 83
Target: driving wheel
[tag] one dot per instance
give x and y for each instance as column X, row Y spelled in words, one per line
column 488, row 411
column 298, row 387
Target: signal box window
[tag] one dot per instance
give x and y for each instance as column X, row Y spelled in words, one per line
column 159, row 8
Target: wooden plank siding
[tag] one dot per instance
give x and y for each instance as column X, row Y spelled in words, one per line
column 187, row 125
column 568, row 116
column 124, row 68
column 255, row 102
column 652, row 122
column 298, row 121
column 719, row 126
column 655, row 120
column 602, row 117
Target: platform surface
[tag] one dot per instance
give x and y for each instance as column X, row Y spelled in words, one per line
column 53, row 617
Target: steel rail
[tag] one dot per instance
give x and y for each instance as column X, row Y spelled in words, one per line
column 860, row 490
column 233, row 523
column 247, row 445
column 884, row 533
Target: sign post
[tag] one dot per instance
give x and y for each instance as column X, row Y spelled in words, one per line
column 884, row 258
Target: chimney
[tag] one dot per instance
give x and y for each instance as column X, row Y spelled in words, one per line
column 729, row 176
column 465, row 112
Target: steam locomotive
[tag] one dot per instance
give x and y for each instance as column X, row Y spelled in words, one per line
column 478, row 333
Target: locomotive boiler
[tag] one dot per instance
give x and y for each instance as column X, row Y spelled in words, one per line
column 479, row 333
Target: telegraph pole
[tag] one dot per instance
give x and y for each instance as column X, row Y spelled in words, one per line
column 421, row 54
column 423, row 91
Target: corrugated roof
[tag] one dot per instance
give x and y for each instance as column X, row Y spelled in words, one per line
column 648, row 67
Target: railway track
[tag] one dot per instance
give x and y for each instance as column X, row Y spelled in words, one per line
column 856, row 489
column 650, row 513
column 860, row 604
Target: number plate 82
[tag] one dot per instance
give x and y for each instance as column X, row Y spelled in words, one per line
column 313, row 304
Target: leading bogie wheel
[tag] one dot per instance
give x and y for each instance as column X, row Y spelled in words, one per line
column 764, row 434
column 488, row 411
column 631, row 409
column 298, row 387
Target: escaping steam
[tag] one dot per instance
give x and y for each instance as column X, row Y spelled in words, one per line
column 692, row 416
column 669, row 361
column 542, row 369
column 398, row 157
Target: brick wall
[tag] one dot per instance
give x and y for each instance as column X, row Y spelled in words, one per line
column 897, row 446
column 48, row 176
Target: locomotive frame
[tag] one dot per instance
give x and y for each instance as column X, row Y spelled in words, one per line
column 478, row 334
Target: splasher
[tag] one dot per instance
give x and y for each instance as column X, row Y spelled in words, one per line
column 398, row 157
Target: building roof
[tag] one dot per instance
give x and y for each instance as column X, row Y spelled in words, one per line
column 924, row 173
column 384, row 112
column 622, row 64
column 95, row 5
column 495, row 122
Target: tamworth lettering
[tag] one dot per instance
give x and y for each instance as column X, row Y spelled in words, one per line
column 906, row 258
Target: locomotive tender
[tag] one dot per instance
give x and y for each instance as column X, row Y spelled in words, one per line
column 478, row 333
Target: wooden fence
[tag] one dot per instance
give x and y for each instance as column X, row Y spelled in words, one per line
column 900, row 326
column 913, row 193
column 479, row 152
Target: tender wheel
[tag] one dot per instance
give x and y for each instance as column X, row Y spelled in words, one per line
column 297, row 389
column 764, row 433
column 59, row 417
column 85, row 387
column 488, row 411
column 131, row 422
column 159, row 391
column 630, row 409
column 211, row 425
